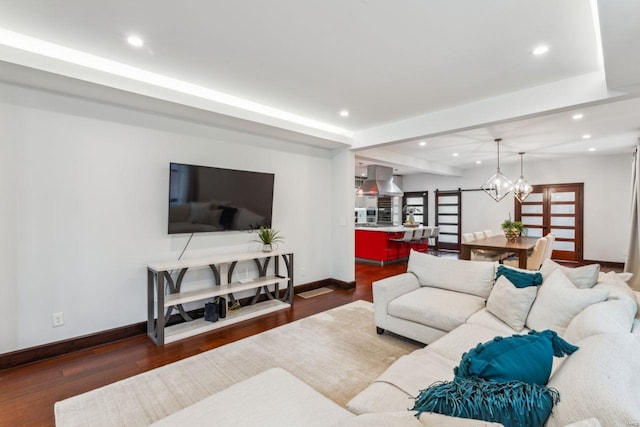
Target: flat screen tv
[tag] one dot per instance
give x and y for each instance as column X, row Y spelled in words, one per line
column 205, row 199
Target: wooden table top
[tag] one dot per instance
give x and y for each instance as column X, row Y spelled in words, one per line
column 500, row 242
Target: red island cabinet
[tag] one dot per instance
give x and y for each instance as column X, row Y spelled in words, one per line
column 374, row 245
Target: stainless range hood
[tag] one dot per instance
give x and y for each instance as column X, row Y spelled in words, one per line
column 380, row 182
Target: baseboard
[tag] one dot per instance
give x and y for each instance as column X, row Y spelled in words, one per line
column 45, row 351
column 342, row 284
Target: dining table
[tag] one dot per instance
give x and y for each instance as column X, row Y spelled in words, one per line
column 499, row 243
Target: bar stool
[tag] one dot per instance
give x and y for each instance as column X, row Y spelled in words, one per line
column 434, row 239
column 420, row 237
column 402, row 241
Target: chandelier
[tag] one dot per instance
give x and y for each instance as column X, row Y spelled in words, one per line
column 498, row 185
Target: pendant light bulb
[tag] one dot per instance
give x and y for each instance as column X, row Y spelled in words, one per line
column 522, row 189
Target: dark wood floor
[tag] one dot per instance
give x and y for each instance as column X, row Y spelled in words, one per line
column 27, row 393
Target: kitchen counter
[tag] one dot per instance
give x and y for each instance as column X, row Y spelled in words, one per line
column 388, row 228
column 374, row 244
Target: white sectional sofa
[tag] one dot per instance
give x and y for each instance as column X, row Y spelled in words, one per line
column 440, row 302
column 452, row 306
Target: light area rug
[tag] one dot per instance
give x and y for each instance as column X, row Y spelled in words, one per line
column 337, row 352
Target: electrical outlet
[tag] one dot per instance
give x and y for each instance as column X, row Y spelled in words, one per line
column 57, row 319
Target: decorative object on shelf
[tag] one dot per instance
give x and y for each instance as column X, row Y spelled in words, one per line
column 211, row 312
column 411, row 221
column 498, row 185
column 269, row 237
column 521, row 189
column 513, row 229
column 222, row 307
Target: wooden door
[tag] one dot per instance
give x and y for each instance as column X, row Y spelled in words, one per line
column 557, row 209
column 449, row 219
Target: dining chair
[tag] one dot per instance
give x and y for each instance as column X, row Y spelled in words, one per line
column 551, row 239
column 479, row 235
column 534, row 261
column 468, row 238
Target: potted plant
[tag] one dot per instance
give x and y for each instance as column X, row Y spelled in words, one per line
column 269, row 237
column 513, row 229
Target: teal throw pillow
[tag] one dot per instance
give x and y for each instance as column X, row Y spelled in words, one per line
column 526, row 358
column 519, row 278
column 512, row 403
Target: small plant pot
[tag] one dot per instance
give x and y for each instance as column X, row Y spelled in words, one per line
column 512, row 236
column 267, row 247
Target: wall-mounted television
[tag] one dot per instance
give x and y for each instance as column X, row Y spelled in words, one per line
column 204, row 199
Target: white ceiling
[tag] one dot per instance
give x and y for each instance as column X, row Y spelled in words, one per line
column 386, row 62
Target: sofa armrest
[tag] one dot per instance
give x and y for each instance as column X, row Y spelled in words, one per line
column 386, row 290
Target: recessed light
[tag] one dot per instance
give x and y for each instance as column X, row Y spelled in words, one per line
column 363, row 174
column 577, row 116
column 592, row 149
column 586, row 136
column 135, row 41
column 423, row 143
column 478, row 162
column 344, row 113
column 541, row 50
column 455, row 154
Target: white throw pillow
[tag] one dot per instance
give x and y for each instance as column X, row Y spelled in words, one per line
column 511, row 304
column 559, row 301
column 583, row 277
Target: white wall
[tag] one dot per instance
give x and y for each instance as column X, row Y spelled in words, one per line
column 84, row 188
column 606, row 197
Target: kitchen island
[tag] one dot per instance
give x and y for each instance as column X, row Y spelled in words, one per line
column 374, row 244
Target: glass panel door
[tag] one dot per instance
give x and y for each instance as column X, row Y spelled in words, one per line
column 556, row 209
column 448, row 218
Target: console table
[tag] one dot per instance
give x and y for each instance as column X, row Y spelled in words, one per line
column 164, row 292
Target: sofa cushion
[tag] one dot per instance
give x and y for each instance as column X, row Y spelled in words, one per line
column 410, row 373
column 463, row 338
column 527, row 358
column 488, row 320
column 511, row 304
column 518, row 277
column 470, row 277
column 438, row 308
column 582, row 277
column 601, row 381
column 559, row 301
column 248, row 403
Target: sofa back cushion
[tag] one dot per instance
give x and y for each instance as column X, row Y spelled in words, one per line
column 469, row 277
column 582, row 277
column 559, row 301
column 600, row 380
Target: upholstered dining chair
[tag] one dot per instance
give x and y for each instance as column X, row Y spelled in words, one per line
column 534, row 261
column 551, row 239
column 468, row 238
